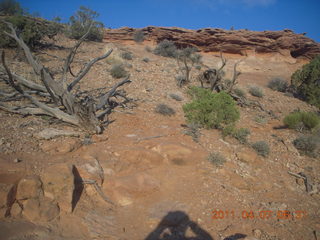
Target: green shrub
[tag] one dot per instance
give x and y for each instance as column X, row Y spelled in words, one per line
column 302, row 120
column 239, row 92
column 166, row 49
column 80, row 23
column 32, row 31
column 256, row 91
column 138, row 36
column 308, row 145
column 262, row 148
column 164, row 110
column 10, row 7
column 118, row 71
column 126, row 55
column 211, row 110
column 278, row 84
column 216, row 159
column 306, row 82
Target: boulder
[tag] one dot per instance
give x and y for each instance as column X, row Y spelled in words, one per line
column 58, row 184
column 43, row 209
column 50, row 133
column 29, row 187
column 91, row 170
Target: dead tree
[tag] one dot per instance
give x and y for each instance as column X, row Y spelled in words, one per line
column 214, row 77
column 54, row 97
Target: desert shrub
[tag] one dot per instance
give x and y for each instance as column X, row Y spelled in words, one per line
column 148, row 49
column 198, row 67
column 175, row 97
column 308, row 145
column 302, row 120
column 126, row 55
column 118, row 71
column 166, row 49
column 10, row 7
column 216, row 159
column 239, row 92
column 29, row 29
column 210, row 110
column 181, row 79
column 138, row 36
column 262, row 148
column 164, row 109
column 306, row 82
column 193, row 131
column 278, row 84
column 256, row 91
column 241, row 135
column 186, row 59
column 146, row 60
column 80, row 23
column 261, row 119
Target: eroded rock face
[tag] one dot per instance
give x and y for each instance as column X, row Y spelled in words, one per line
column 58, row 185
column 241, row 42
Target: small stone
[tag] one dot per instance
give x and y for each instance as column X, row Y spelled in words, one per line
column 17, row 160
column 8, row 145
column 257, row 233
column 300, row 181
column 15, row 210
column 1, row 141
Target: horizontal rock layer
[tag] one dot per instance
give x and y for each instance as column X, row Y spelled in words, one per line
column 241, row 42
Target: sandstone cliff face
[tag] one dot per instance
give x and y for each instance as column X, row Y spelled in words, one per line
column 241, row 42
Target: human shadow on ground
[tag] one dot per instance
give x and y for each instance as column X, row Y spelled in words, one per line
column 176, row 226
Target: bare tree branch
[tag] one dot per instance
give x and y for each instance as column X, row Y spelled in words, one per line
column 36, row 66
column 105, row 98
column 71, row 55
column 86, row 69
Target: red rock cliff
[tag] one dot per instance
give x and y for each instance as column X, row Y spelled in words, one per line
column 242, row 42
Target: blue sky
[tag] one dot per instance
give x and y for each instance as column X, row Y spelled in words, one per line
column 298, row 15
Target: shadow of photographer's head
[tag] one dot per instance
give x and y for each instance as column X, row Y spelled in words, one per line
column 175, row 226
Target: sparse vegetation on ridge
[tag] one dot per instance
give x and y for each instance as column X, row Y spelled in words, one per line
column 166, row 48
column 82, row 21
column 138, row 36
